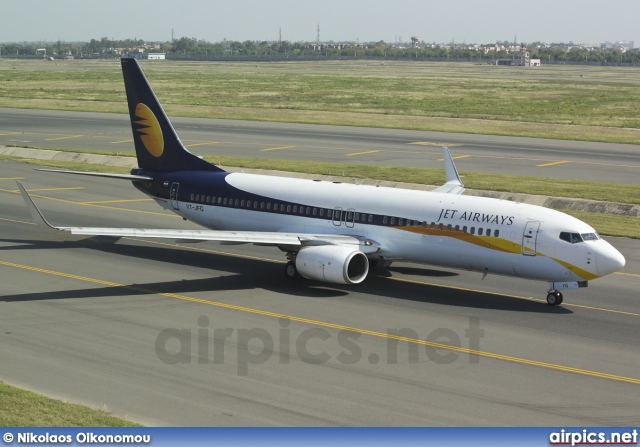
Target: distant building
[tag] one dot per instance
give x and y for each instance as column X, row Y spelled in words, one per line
column 150, row 56
column 626, row 44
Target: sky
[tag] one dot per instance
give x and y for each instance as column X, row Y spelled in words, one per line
column 468, row 21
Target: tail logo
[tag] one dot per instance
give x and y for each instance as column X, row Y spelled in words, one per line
column 149, row 130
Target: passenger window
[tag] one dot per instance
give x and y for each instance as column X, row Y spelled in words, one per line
column 433, row 225
column 488, row 232
column 225, row 200
column 295, row 208
column 441, row 227
column 464, row 229
column 261, row 205
column 315, row 211
column 219, row 200
column 255, row 205
column 193, row 197
column 424, row 224
column 384, row 220
column 449, row 227
column 472, row 230
column 400, row 221
column 213, row 199
column 457, row 228
column 496, row 233
column 308, row 211
column 370, row 218
column 237, row 203
column 242, row 203
column 321, row 212
column 208, row 199
column 479, row 231
column 198, row 198
column 409, row 222
column 268, row 206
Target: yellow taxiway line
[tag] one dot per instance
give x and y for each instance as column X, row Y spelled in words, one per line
column 201, row 144
column 276, row 148
column 484, row 354
column 363, row 153
column 553, row 163
column 66, row 137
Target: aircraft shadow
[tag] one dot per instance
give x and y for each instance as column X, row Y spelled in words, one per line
column 249, row 274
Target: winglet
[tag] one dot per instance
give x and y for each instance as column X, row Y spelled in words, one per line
column 454, row 184
column 36, row 215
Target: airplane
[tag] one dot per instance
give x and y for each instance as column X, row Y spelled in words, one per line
column 335, row 232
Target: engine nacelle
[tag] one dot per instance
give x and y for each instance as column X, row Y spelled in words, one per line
column 338, row 264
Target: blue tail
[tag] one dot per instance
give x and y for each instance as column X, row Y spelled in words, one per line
column 158, row 147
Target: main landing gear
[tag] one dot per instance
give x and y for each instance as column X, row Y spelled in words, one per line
column 554, row 298
column 291, row 271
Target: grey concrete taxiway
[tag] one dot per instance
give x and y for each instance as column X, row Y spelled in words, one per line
column 388, row 147
column 203, row 334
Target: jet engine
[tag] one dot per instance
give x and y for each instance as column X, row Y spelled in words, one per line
column 338, row 264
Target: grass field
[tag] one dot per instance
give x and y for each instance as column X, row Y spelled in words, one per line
column 604, row 223
column 20, row 408
column 582, row 103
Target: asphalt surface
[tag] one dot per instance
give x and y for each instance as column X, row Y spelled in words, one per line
column 386, row 147
column 203, row 334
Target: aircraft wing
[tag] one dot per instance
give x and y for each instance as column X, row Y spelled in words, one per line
column 230, row 237
column 454, row 184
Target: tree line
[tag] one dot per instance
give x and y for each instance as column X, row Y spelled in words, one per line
column 106, row 47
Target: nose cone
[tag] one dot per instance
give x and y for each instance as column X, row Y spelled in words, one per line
column 608, row 260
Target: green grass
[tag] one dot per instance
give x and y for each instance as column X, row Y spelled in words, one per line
column 22, row 408
column 608, row 192
column 605, row 224
column 554, row 187
column 551, row 102
column 609, row 225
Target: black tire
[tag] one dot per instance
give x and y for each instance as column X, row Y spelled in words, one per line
column 554, row 298
column 291, row 271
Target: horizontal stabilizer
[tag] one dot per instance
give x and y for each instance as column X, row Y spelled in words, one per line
column 101, row 174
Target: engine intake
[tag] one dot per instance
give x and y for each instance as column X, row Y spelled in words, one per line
column 336, row 264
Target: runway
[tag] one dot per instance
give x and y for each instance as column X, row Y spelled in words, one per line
column 616, row 163
column 203, row 334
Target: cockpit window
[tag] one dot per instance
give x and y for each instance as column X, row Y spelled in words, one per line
column 572, row 238
column 590, row 236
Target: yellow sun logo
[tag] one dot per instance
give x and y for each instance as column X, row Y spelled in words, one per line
column 149, row 130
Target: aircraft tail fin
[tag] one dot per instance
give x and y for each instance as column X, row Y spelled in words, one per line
column 157, row 145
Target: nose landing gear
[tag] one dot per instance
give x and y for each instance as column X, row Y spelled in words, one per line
column 554, row 298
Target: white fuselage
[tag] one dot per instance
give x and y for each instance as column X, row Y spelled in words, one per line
column 474, row 233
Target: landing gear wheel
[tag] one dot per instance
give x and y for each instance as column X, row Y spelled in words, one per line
column 291, row 271
column 554, row 298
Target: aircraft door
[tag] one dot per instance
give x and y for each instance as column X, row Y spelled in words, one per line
column 349, row 218
column 530, row 238
column 337, row 216
column 173, row 195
